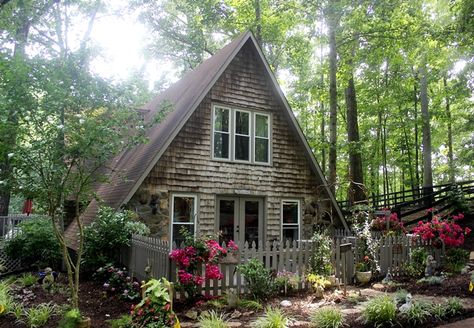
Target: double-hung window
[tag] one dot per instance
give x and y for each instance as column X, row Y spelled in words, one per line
column 262, row 138
column 221, row 128
column 240, row 135
column 290, row 220
column 183, row 214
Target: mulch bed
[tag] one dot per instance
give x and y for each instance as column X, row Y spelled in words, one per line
column 92, row 302
column 453, row 286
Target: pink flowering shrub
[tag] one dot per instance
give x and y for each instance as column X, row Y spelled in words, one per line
column 388, row 225
column 442, row 230
column 195, row 254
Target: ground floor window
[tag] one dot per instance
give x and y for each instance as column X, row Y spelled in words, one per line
column 183, row 216
column 290, row 220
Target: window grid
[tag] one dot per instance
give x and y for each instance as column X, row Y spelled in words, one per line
column 291, row 226
column 232, row 134
column 175, row 223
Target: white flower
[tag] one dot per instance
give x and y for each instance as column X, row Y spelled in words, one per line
column 10, row 155
column 60, row 126
column 81, row 121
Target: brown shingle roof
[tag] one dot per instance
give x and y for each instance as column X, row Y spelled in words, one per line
column 132, row 166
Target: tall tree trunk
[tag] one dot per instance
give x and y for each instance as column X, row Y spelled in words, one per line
column 450, row 132
column 323, row 116
column 333, row 23
column 417, row 142
column 258, row 23
column 427, row 166
column 356, row 189
column 6, row 169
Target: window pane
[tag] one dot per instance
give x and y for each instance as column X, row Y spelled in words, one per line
column 251, row 221
column 178, row 237
column 290, row 233
column 261, row 126
column 242, row 145
column 226, row 220
column 290, row 212
column 221, row 145
column 183, row 209
column 242, row 123
column 261, row 150
column 221, row 119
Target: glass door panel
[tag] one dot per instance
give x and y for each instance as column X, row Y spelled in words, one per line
column 227, row 219
column 251, row 220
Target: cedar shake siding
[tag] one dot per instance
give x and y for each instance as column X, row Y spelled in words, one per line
column 187, row 165
column 178, row 157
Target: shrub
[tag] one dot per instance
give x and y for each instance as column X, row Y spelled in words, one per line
column 6, row 299
column 328, row 317
column 320, row 258
column 433, row 280
column 70, row 319
column 250, row 305
column 39, row 315
column 416, row 266
column 456, row 259
column 117, row 281
column 417, row 314
column 194, row 254
column 212, row 319
column 155, row 306
column 27, row 280
column 111, row 231
column 125, row 321
column 380, row 311
column 272, row 318
column 259, row 279
column 35, row 244
column 444, row 230
column 389, row 225
column 400, row 296
column 453, row 306
column 438, row 310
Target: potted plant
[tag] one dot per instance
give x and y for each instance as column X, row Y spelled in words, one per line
column 363, row 270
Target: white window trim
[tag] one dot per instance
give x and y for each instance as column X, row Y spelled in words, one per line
column 235, row 134
column 229, row 133
column 257, row 137
column 298, row 224
column 172, row 223
column 232, row 134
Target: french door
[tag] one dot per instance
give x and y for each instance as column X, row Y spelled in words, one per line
column 240, row 219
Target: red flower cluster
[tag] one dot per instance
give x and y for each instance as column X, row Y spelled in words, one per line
column 151, row 312
column 445, row 230
column 389, row 225
column 192, row 257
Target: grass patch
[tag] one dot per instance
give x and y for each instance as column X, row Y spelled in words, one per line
column 328, row 317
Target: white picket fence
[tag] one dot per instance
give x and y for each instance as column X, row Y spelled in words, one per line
column 149, row 257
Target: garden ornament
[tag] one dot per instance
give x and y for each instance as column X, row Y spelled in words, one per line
column 430, row 266
column 408, row 304
column 48, row 279
column 388, row 278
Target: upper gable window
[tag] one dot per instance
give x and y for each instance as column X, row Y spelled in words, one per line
column 240, row 135
column 221, row 127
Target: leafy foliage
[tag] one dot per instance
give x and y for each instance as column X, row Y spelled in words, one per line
column 212, row 319
column 456, row 259
column 320, row 258
column 71, row 319
column 259, row 279
column 380, row 312
column 108, row 234
column 35, row 244
column 416, row 266
column 328, row 317
column 272, row 318
column 39, row 315
column 156, row 305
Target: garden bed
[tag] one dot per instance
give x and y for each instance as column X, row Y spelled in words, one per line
column 93, row 303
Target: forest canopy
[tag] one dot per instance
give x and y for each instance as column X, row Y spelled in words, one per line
column 383, row 90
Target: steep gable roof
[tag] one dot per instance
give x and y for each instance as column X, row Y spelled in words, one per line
column 132, row 166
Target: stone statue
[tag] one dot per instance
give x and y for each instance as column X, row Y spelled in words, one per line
column 430, row 266
column 408, row 304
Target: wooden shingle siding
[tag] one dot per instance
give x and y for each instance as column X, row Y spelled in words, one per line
column 186, row 166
